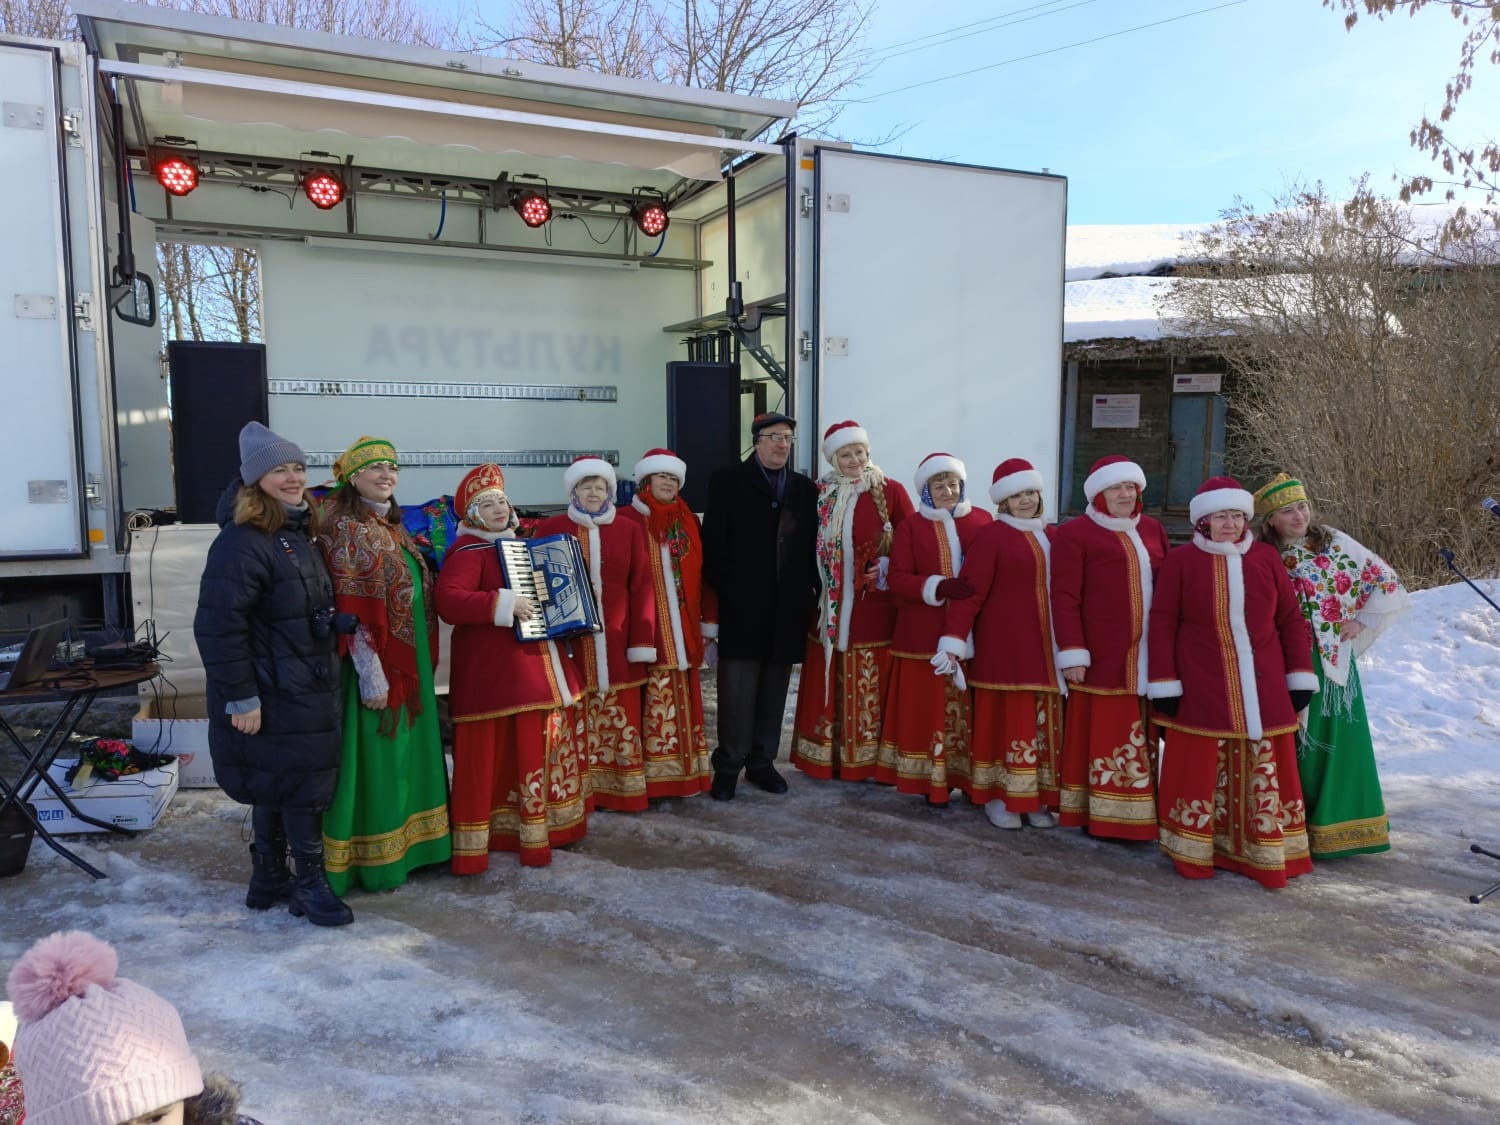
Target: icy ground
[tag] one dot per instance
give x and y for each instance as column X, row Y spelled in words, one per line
column 843, row 954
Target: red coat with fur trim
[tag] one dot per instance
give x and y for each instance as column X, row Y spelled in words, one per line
column 921, row 557
column 874, row 610
column 1101, row 594
column 615, row 552
column 1010, row 613
column 679, row 640
column 491, row 673
column 1228, row 637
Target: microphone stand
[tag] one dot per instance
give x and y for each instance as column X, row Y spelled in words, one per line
column 1447, row 557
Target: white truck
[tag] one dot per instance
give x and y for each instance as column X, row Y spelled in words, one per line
column 411, row 298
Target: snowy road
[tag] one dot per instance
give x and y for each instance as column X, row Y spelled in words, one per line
column 844, row 954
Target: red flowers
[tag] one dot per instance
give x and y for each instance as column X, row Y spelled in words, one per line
column 1322, row 562
column 1342, row 582
column 1330, row 609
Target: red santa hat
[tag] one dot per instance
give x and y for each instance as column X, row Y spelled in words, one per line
column 1013, row 476
column 1220, row 494
column 1108, row 471
column 589, row 466
column 935, row 463
column 843, row 433
column 661, row 461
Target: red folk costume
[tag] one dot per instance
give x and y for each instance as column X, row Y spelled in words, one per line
column 836, row 731
column 1102, row 577
column 924, row 738
column 1018, row 690
column 614, row 663
column 520, row 774
column 677, row 763
column 1228, row 644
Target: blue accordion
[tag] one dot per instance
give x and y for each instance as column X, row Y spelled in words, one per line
column 551, row 572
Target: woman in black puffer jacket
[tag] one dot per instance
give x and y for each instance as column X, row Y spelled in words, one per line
column 265, row 630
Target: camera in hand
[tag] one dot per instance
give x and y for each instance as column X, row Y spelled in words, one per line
column 327, row 621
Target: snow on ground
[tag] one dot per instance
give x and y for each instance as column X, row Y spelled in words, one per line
column 845, row 954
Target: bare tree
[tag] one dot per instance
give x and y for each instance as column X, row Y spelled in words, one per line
column 42, row 19
column 1466, row 164
column 807, row 51
column 1366, row 357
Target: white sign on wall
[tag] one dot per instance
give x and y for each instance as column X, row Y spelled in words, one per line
column 1117, row 412
column 1207, row 383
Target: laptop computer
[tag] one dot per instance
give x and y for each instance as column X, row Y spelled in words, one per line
column 36, row 656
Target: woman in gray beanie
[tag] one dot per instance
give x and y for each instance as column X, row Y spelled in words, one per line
column 265, row 628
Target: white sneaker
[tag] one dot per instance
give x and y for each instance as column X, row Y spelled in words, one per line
column 1000, row 816
column 1041, row 819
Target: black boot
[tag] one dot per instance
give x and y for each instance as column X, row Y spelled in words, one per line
column 311, row 894
column 270, row 878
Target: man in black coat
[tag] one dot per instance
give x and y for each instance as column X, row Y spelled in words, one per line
column 760, row 529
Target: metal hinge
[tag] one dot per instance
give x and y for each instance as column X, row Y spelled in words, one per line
column 805, row 203
column 83, row 311
column 93, row 489
column 805, row 345
column 72, row 123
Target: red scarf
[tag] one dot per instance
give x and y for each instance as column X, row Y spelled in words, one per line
column 673, row 525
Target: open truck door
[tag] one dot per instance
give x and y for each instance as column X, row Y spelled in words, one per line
column 936, row 311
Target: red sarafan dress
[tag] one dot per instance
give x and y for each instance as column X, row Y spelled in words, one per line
column 924, row 739
column 520, row 774
column 1228, row 640
column 676, row 745
column 613, row 664
column 1018, row 690
column 836, row 730
column 1103, row 569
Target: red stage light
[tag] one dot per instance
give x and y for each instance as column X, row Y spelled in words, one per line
column 651, row 217
column 324, row 189
column 534, row 209
column 177, row 175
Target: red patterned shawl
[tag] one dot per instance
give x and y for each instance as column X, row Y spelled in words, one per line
column 676, row 527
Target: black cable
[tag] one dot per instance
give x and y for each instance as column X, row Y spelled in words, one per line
column 982, row 30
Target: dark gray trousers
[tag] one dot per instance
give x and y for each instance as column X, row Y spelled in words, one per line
column 752, row 703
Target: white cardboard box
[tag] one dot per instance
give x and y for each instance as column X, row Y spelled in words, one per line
column 178, row 727
column 134, row 801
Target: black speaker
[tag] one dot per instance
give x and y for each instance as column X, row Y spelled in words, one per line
column 216, row 389
column 703, row 422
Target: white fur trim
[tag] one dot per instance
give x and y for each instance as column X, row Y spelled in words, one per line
column 558, row 674
column 1037, row 524
column 954, row 646
column 505, row 608
column 640, row 505
column 929, row 590
column 1012, row 483
column 960, row 510
column 1302, row 681
column 1238, row 630
column 1039, row 533
column 710, row 630
column 583, row 519
column 676, row 466
column 934, row 465
column 1112, row 523
column 641, row 655
column 1118, row 473
column 674, row 611
column 596, row 562
column 848, row 435
column 1240, row 546
column 589, row 467
column 1164, row 689
column 1221, row 500
column 1074, row 658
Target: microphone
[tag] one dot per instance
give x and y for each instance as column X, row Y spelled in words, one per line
column 1491, row 505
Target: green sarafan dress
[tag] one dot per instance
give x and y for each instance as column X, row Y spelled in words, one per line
column 1343, row 582
column 390, row 811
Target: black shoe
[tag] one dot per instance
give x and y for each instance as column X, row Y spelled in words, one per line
column 270, row 878
column 312, row 897
column 723, row 785
column 766, row 777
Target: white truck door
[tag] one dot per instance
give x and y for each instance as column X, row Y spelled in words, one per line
column 939, row 311
column 41, row 504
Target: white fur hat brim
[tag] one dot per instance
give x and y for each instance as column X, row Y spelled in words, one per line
column 1008, row 486
column 661, row 463
column 589, row 467
column 1121, row 472
column 1221, row 500
column 847, row 435
column 935, row 465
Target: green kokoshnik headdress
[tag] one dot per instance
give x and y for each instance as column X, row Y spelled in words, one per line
column 1280, row 491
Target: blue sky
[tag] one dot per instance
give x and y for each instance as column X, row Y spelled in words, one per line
column 1171, row 123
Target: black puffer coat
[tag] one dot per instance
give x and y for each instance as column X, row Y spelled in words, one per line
column 759, row 555
column 255, row 633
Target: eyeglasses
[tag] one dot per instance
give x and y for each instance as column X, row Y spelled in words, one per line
column 777, row 439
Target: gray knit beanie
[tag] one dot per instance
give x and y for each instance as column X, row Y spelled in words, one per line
column 261, row 451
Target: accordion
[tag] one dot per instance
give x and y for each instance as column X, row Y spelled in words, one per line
column 551, row 572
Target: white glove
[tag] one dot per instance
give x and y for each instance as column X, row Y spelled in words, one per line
column 946, row 664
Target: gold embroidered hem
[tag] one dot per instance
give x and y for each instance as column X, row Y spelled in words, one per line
column 387, row 847
column 839, row 736
column 1350, row 838
column 924, row 740
column 612, row 744
column 677, row 759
